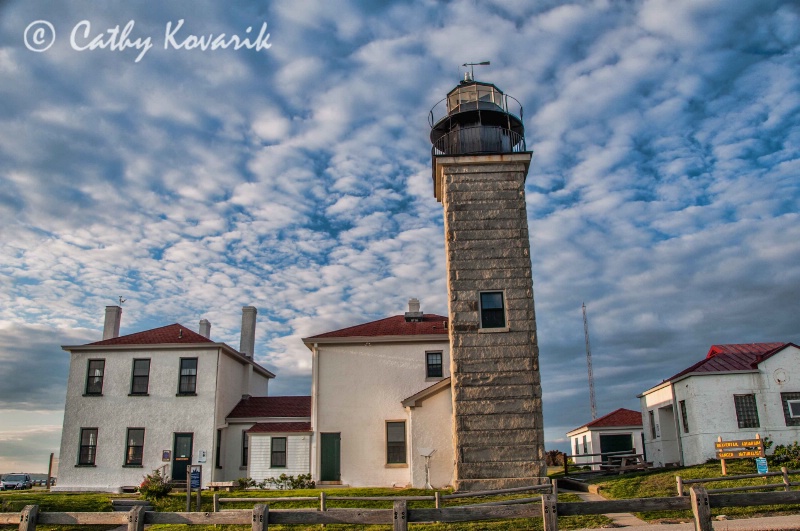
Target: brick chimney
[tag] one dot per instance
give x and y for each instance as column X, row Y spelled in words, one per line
column 205, row 328
column 413, row 314
column 111, row 325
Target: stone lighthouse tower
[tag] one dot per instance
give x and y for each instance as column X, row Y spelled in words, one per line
column 479, row 168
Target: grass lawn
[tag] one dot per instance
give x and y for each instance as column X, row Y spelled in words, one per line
column 661, row 483
column 176, row 502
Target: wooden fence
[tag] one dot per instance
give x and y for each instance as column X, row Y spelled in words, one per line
column 438, row 498
column 259, row 518
column 785, row 484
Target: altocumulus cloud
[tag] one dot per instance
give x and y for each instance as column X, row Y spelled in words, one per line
column 663, row 191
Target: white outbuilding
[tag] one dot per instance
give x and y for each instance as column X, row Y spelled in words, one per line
column 737, row 392
column 618, row 431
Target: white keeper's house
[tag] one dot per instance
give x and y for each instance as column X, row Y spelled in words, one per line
column 382, row 402
column 160, row 399
column 736, row 392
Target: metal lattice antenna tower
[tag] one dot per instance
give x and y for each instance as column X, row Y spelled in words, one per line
column 589, row 363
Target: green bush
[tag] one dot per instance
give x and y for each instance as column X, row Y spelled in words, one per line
column 284, row 482
column 154, row 486
column 246, row 482
column 787, row 455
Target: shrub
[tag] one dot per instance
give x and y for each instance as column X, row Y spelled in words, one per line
column 787, row 455
column 246, row 482
column 554, row 458
column 284, row 482
column 154, row 486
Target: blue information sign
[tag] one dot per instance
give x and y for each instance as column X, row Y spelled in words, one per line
column 195, row 479
column 761, row 465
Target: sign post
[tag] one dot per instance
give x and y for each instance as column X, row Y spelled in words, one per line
column 742, row 449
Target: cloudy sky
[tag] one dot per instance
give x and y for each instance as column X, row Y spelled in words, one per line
column 296, row 178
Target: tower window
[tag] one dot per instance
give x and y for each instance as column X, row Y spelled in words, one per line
column 493, row 311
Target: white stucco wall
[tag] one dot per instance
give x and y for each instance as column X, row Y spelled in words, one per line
column 231, row 455
column 298, row 447
column 360, row 387
column 161, row 414
column 432, row 428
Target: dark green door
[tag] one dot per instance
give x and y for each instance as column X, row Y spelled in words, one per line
column 181, row 455
column 615, row 443
column 330, row 467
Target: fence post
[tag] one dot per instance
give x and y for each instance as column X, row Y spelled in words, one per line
column 136, row 518
column 549, row 512
column 27, row 518
column 438, row 496
column 216, row 502
column 786, row 483
column 701, row 508
column 400, row 516
column 566, row 465
column 679, row 480
column 260, row 517
column 323, row 505
column 554, row 487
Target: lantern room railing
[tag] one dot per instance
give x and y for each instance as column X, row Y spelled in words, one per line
column 479, row 139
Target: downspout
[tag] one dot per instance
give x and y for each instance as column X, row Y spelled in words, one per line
column 676, row 419
column 314, row 446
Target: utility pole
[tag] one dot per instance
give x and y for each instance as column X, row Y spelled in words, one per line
column 589, row 363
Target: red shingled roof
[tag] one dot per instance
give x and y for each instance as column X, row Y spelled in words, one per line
column 737, row 357
column 174, row 333
column 392, row 326
column 281, row 427
column 272, row 406
column 620, row 417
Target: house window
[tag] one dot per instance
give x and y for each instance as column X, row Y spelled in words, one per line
column 577, row 449
column 585, row 447
column 493, row 313
column 277, row 458
column 140, row 380
column 395, row 442
column 433, row 363
column 94, row 377
column 218, row 452
column 88, row 446
column 652, row 418
column 791, row 408
column 746, row 411
column 244, row 448
column 188, row 381
column 134, row 446
column 684, row 416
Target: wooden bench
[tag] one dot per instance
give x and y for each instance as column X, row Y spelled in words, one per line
column 223, row 485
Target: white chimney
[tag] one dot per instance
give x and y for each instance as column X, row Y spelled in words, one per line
column 205, row 328
column 247, row 343
column 111, row 325
column 413, row 314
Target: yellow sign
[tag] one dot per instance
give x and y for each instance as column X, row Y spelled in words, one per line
column 739, row 444
column 739, row 454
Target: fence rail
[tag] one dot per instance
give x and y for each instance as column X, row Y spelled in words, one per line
column 438, row 498
column 699, row 501
column 784, row 473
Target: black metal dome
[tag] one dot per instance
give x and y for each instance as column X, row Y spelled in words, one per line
column 475, row 119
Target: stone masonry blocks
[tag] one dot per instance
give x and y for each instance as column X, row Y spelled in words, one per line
column 496, row 384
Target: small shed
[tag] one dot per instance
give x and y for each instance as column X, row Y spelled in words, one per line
column 618, row 431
